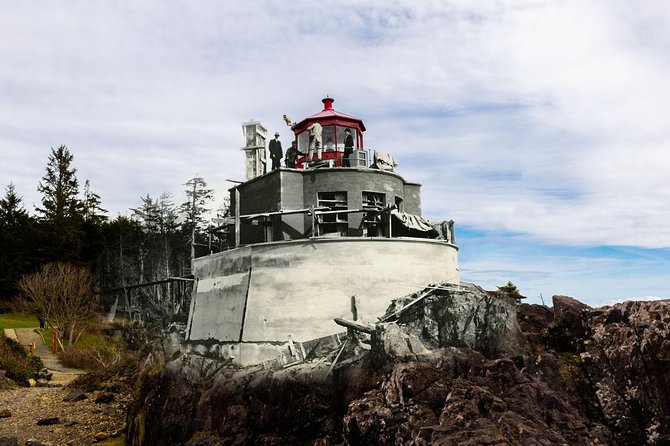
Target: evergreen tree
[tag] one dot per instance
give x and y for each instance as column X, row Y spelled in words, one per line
column 17, row 238
column 512, row 291
column 120, row 254
column 160, row 239
column 92, row 215
column 59, row 188
column 171, row 243
column 148, row 216
column 92, row 210
column 12, row 212
column 195, row 209
column 61, row 210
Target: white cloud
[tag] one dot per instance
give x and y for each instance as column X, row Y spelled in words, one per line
column 539, row 118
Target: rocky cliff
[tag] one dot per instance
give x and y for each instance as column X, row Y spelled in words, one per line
column 451, row 365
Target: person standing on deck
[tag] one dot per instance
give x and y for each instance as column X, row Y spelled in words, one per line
column 315, row 141
column 348, row 148
column 276, row 152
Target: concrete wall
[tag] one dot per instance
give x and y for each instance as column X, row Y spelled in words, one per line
column 298, row 189
column 354, row 182
column 291, row 227
column 412, row 202
column 220, row 294
column 262, row 194
column 296, row 288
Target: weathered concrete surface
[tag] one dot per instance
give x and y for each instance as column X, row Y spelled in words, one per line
column 264, row 293
column 220, row 295
column 609, row 386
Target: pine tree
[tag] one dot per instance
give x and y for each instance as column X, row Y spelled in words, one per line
column 511, row 291
column 93, row 219
column 12, row 212
column 61, row 211
column 158, row 220
column 59, row 188
column 92, row 210
column 168, row 229
column 17, row 239
column 194, row 210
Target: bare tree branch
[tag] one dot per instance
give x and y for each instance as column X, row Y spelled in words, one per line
column 60, row 293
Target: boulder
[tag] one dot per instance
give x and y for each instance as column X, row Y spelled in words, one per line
column 75, row 395
column 100, row 436
column 48, row 421
column 461, row 316
column 568, row 314
column 104, row 398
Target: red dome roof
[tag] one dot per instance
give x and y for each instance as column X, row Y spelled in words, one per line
column 329, row 116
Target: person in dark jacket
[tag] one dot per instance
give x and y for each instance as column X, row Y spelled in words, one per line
column 292, row 155
column 276, row 152
column 348, row 148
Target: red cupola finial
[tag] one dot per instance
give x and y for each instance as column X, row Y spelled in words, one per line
column 327, row 103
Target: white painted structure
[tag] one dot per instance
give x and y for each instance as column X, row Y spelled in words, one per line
column 249, row 300
column 308, row 238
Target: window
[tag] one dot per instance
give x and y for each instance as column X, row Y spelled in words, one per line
column 374, row 201
column 399, row 204
column 303, row 142
column 341, row 135
column 328, row 138
column 332, row 223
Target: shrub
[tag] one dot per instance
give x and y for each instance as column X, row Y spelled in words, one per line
column 95, row 352
column 14, row 359
column 511, row 291
column 62, row 294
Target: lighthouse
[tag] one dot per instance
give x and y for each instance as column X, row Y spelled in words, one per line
column 309, row 238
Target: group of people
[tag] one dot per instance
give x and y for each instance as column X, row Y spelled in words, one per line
column 276, row 153
column 315, row 145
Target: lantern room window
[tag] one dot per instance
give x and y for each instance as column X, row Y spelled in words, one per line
column 341, row 135
column 332, row 137
column 328, row 138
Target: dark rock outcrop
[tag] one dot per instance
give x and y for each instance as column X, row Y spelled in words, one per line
column 444, row 371
column 75, row 395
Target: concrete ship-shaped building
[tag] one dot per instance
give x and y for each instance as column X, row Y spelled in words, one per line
column 308, row 238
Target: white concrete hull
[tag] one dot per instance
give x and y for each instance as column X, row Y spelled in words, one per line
column 264, row 293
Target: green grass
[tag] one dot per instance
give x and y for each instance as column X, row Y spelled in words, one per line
column 16, row 320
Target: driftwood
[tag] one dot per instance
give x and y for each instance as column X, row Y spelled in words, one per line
column 330, row 369
column 397, row 313
column 354, row 325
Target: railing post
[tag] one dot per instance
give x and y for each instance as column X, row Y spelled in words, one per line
column 237, row 217
column 314, row 221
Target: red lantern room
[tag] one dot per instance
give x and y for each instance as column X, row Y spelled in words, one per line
column 334, row 125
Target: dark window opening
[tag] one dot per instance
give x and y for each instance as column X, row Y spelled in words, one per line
column 375, row 202
column 333, row 223
column 399, row 204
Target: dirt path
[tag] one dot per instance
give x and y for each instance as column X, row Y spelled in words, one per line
column 101, row 412
column 61, row 375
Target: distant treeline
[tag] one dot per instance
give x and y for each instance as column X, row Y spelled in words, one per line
column 71, row 225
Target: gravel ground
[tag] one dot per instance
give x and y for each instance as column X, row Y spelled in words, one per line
column 79, row 421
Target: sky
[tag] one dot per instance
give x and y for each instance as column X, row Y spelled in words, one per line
column 538, row 126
